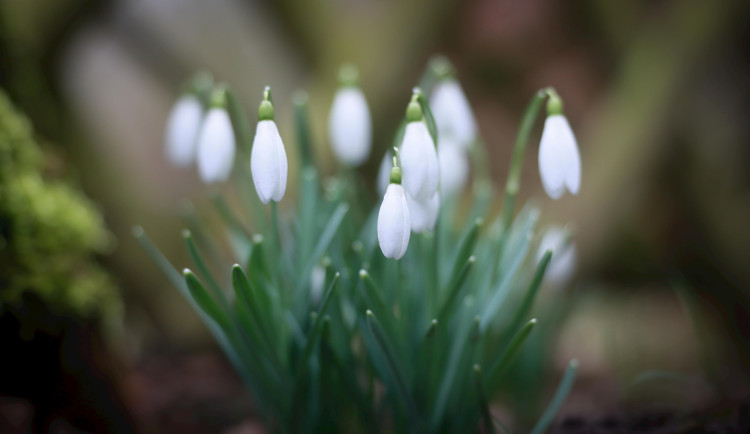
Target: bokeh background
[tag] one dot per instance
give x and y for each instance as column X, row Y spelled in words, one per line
column 658, row 93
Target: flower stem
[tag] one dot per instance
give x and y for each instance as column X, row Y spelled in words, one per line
column 514, row 174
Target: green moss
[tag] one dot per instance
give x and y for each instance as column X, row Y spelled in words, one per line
column 49, row 232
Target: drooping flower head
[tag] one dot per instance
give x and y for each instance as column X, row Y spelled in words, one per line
column 349, row 123
column 216, row 143
column 183, row 126
column 418, row 154
column 185, row 119
column 394, row 220
column 559, row 160
column 450, row 106
column 268, row 162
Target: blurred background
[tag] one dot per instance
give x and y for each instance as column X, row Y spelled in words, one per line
column 658, row 93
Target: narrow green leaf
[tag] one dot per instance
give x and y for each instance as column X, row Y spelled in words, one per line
column 484, row 409
column 322, row 245
column 394, row 365
column 316, row 328
column 557, row 400
column 256, row 306
column 501, row 364
column 454, row 288
column 195, row 255
column 466, row 246
column 204, row 300
column 528, row 300
column 174, row 276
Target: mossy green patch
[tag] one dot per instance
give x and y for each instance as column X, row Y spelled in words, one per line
column 49, row 231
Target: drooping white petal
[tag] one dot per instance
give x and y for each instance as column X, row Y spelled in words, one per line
column 423, row 214
column 564, row 256
column 216, row 147
column 394, row 223
column 181, row 134
column 350, row 126
column 559, row 160
column 419, row 164
column 454, row 167
column 384, row 172
column 268, row 162
column 452, row 112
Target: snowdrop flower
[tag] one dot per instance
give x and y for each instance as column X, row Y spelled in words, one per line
column 268, row 158
column 216, row 143
column 349, row 123
column 564, row 255
column 183, row 126
column 394, row 221
column 559, row 160
column 423, row 214
column 454, row 166
column 418, row 156
column 384, row 172
column 453, row 115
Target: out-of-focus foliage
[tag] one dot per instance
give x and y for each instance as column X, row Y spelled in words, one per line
column 48, row 231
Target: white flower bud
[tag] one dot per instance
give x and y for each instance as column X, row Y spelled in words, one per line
column 183, row 126
column 564, row 256
column 216, row 147
column 268, row 162
column 384, row 172
column 452, row 112
column 454, row 167
column 423, row 214
column 350, row 126
column 559, row 160
column 419, row 162
column 394, row 223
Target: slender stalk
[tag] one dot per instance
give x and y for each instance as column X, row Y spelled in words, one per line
column 513, row 183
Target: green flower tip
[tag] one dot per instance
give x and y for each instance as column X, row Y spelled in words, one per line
column 219, row 97
column 554, row 103
column 472, row 259
column 348, row 75
column 369, row 314
column 265, row 111
column 477, row 368
column 186, row 272
column 396, row 175
column 337, row 275
column 413, row 111
column 362, row 273
column 532, row 321
column 441, row 67
column 201, row 84
column 574, row 363
column 258, row 239
column 186, row 233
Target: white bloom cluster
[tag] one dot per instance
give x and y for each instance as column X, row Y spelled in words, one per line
column 206, row 138
column 412, row 181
